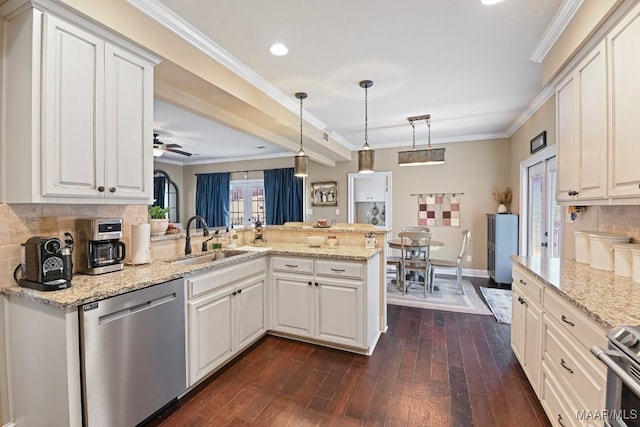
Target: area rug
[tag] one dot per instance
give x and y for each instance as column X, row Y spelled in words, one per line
column 499, row 301
column 446, row 298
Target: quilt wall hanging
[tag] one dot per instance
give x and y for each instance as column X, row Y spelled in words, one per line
column 439, row 210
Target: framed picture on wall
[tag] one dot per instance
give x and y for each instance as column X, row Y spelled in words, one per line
column 324, row 193
column 539, row 142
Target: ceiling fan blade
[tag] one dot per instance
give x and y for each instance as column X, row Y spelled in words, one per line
column 173, row 145
column 184, row 153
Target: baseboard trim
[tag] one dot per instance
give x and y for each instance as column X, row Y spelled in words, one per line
column 11, row 424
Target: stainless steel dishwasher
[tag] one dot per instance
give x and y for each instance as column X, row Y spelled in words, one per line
column 133, row 354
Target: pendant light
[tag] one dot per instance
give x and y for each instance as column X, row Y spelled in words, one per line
column 301, row 161
column 366, row 156
column 427, row 156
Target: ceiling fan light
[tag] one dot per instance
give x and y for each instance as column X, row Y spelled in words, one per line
column 157, row 152
column 424, row 157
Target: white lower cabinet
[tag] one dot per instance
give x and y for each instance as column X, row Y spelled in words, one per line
column 334, row 302
column 551, row 340
column 526, row 326
column 225, row 314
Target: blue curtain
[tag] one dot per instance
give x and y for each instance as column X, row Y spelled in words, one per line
column 159, row 184
column 212, row 198
column 282, row 196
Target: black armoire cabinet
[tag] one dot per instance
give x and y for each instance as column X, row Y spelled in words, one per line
column 502, row 242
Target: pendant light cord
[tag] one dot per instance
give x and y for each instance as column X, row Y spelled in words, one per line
column 301, row 98
column 429, row 137
column 414, row 135
column 366, row 122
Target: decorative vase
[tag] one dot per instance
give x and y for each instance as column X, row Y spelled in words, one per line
column 159, row 226
column 502, row 208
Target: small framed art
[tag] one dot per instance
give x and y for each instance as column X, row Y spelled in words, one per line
column 539, row 142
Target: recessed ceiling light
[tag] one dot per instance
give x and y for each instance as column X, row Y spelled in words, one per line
column 259, row 147
column 278, row 49
column 490, row 2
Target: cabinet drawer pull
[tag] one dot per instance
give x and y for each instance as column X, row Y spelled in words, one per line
column 564, row 365
column 523, row 282
column 560, row 420
column 338, row 270
column 567, row 321
column 521, row 300
column 291, row 266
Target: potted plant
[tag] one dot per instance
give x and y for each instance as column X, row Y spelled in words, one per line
column 158, row 220
column 504, row 198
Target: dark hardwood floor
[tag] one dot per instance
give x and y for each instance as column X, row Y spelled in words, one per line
column 432, row 368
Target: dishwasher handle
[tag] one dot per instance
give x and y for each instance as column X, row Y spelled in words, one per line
column 136, row 308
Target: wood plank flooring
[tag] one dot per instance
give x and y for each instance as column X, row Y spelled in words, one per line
column 432, row 368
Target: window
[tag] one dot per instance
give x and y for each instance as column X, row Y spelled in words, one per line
column 246, row 199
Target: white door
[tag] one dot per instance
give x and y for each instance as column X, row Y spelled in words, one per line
column 544, row 214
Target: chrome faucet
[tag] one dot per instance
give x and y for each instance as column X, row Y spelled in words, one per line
column 205, row 232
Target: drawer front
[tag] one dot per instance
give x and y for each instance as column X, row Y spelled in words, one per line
column 578, row 325
column 292, row 265
column 529, row 286
column 579, row 375
column 351, row 270
column 557, row 409
column 202, row 283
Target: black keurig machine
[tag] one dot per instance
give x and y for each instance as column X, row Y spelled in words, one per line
column 47, row 264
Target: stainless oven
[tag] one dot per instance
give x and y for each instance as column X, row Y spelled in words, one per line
column 623, row 376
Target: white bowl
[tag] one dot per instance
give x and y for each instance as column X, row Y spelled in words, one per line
column 315, row 241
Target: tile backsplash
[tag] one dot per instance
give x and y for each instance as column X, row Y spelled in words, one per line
column 19, row 222
column 624, row 220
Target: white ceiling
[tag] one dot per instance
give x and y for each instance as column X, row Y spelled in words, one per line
column 464, row 63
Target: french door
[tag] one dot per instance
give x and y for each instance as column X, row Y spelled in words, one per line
column 543, row 213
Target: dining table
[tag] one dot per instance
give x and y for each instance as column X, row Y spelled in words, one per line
column 434, row 245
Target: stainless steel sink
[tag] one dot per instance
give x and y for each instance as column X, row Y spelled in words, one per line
column 205, row 258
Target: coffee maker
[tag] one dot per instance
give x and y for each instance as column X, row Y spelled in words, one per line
column 46, row 265
column 98, row 245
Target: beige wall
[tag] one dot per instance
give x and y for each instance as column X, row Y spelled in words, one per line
column 473, row 168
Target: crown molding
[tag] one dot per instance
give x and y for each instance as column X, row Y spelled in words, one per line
column 179, row 26
column 558, row 23
column 547, row 92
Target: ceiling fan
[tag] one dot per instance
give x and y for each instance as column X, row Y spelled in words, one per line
column 160, row 147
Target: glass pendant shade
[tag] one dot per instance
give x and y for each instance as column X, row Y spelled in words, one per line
column 424, row 157
column 366, row 156
column 301, row 161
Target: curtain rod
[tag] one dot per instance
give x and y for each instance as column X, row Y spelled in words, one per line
column 431, row 194
column 241, row 171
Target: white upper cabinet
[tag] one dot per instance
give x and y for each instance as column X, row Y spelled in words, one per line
column 370, row 188
column 581, row 108
column 624, row 115
column 81, row 135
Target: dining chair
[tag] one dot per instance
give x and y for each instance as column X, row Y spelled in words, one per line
column 411, row 264
column 415, row 228
column 457, row 264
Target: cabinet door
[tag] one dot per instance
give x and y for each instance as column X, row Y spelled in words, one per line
column 361, row 190
column 250, row 312
column 377, row 188
column 129, row 95
column 566, row 107
column 526, row 335
column 293, row 306
column 624, row 119
column 210, row 332
column 73, row 111
column 339, row 312
column 592, row 129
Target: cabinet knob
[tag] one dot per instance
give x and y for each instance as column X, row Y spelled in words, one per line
column 310, row 283
column 234, row 293
column 101, row 189
column 316, row 283
column 521, row 300
column 239, row 291
column 112, row 189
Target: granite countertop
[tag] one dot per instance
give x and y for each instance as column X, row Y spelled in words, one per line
column 331, row 229
column 608, row 299
column 85, row 288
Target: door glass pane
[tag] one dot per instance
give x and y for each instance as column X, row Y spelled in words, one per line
column 536, row 209
column 555, row 211
column 246, row 202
